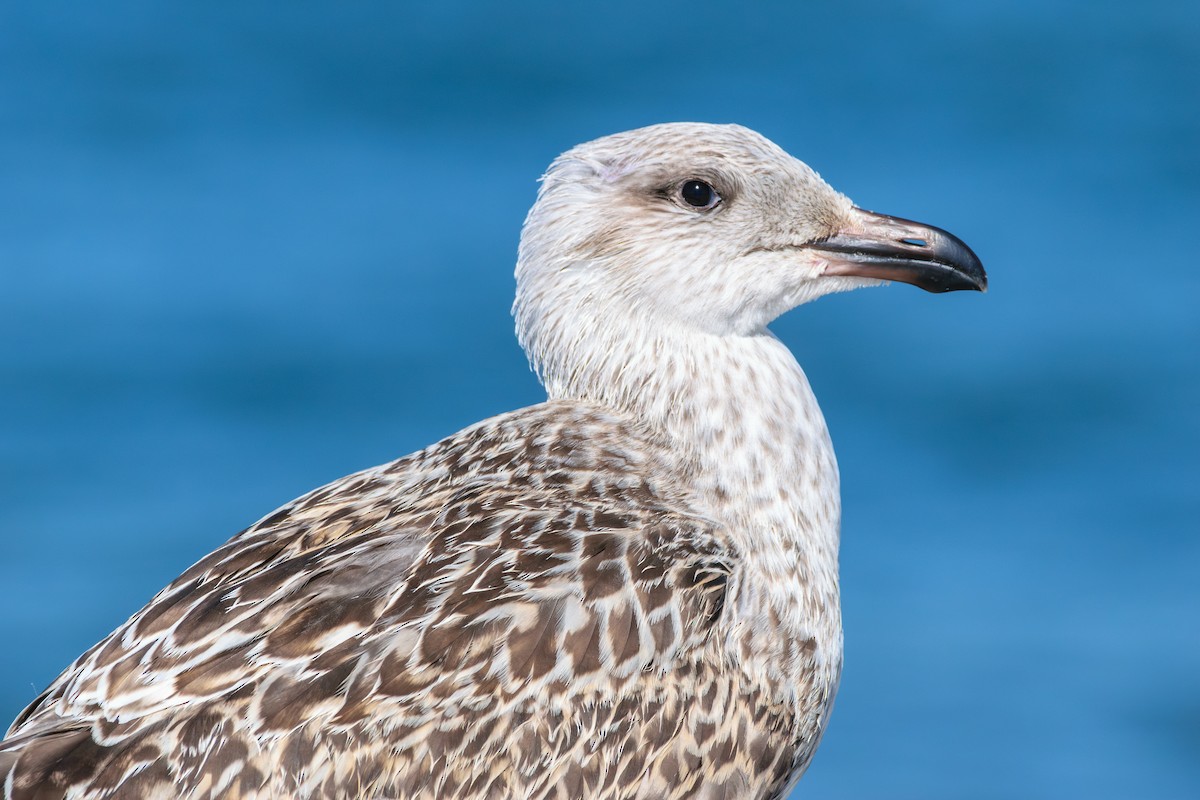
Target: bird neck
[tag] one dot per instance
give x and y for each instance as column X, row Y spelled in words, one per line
column 741, row 413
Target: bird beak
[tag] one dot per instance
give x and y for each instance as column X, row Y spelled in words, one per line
column 893, row 249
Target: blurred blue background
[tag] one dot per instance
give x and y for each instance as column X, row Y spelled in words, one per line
column 248, row 248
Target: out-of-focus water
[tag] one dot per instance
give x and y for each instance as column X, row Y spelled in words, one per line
column 248, row 248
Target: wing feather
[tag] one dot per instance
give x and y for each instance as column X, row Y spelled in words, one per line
column 409, row 628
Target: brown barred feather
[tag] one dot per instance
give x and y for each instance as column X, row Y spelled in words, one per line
column 471, row 629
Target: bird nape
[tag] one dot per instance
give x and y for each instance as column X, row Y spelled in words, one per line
column 627, row 591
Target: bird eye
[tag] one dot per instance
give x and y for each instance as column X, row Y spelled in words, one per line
column 698, row 194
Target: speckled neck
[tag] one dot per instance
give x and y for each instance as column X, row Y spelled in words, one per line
column 739, row 413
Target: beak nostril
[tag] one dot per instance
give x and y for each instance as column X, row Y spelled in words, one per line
column 915, row 242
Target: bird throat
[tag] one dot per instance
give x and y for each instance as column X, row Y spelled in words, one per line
column 738, row 414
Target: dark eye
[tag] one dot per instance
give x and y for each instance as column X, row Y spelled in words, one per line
column 698, row 194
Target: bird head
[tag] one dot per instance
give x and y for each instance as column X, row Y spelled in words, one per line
column 705, row 228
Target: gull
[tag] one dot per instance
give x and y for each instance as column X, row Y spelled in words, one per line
column 627, row 592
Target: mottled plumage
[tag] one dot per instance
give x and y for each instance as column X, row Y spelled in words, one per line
column 629, row 591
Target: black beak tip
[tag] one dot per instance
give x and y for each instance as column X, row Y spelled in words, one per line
column 959, row 265
column 965, row 274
